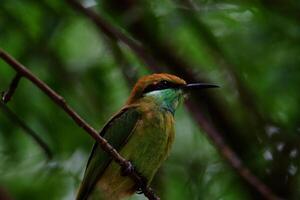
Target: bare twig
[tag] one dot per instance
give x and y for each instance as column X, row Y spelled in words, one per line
column 13, row 117
column 229, row 154
column 178, row 66
column 113, row 33
column 6, row 96
column 60, row 101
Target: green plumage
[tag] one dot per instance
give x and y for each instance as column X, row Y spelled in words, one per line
column 142, row 132
column 116, row 132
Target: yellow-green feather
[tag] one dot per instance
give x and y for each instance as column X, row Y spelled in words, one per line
column 143, row 133
column 116, row 132
column 147, row 148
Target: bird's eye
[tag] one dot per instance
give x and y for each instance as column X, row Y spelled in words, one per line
column 159, row 86
column 164, row 83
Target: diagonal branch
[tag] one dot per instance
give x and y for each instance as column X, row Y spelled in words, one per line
column 6, row 96
column 229, row 154
column 13, row 117
column 113, row 33
column 60, row 101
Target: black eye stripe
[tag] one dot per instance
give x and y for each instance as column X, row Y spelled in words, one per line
column 160, row 86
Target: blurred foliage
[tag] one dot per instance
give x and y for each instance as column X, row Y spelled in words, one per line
column 250, row 48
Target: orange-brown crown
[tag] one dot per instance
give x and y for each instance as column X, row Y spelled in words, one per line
column 151, row 80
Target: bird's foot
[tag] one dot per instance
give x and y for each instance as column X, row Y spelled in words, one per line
column 127, row 169
column 139, row 191
column 142, row 184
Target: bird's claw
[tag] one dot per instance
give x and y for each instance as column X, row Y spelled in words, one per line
column 142, row 185
column 127, row 169
column 139, row 191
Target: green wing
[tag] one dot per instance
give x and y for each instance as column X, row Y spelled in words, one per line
column 116, row 132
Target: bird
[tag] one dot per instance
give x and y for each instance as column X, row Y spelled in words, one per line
column 142, row 132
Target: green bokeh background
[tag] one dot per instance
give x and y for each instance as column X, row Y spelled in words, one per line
column 237, row 44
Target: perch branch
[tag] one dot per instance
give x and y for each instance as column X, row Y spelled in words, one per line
column 60, row 101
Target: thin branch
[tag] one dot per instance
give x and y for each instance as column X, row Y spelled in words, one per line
column 113, row 33
column 7, row 95
column 229, row 154
column 13, row 117
column 60, row 101
column 179, row 67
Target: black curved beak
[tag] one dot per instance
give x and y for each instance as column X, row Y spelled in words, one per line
column 194, row 86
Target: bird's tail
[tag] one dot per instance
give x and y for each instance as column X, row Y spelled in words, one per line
column 83, row 193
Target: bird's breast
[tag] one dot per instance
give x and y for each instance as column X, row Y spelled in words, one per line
column 151, row 142
column 147, row 148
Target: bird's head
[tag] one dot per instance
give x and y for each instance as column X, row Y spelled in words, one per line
column 166, row 90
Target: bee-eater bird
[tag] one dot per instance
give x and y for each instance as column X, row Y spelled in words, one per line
column 143, row 133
